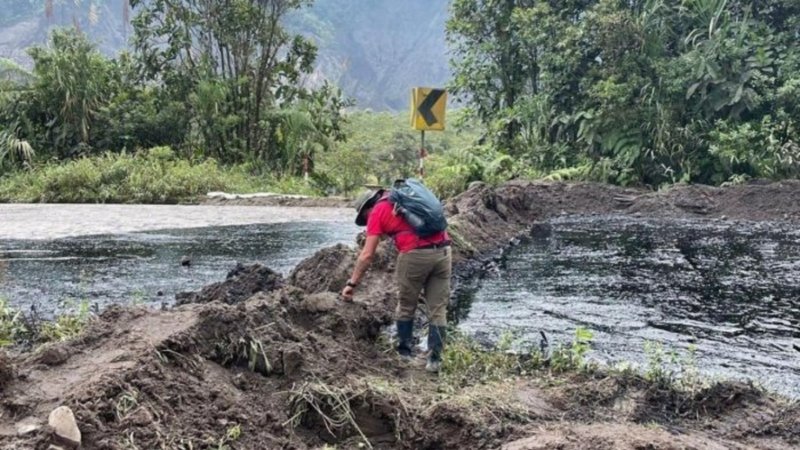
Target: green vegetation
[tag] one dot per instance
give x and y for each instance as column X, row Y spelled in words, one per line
column 637, row 92
column 466, row 363
column 16, row 327
column 235, row 96
column 11, row 326
column 670, row 368
column 65, row 326
column 382, row 147
column 153, row 176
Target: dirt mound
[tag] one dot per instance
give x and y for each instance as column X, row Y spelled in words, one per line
column 753, row 201
column 288, row 369
column 259, row 362
column 485, row 219
column 240, row 284
column 614, row 437
column 327, row 270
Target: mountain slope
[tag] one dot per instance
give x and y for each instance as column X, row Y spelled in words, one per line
column 375, row 51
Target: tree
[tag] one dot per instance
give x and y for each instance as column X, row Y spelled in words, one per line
column 631, row 91
column 235, row 64
column 70, row 84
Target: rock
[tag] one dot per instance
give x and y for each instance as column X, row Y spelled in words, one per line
column 141, row 417
column 28, row 425
column 53, row 356
column 476, row 185
column 65, row 428
column 321, row 302
column 292, row 362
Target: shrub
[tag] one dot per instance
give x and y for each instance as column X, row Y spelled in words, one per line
column 152, row 176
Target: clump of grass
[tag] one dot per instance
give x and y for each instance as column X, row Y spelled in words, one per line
column 573, row 356
column 231, row 435
column 126, row 403
column 12, row 327
column 330, row 404
column 668, row 368
column 465, row 362
column 66, row 326
column 247, row 351
column 16, row 327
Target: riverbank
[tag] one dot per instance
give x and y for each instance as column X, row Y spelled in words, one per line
column 154, row 176
column 292, row 366
column 274, row 199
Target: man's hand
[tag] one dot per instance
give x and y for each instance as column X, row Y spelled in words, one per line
column 363, row 261
column 347, row 293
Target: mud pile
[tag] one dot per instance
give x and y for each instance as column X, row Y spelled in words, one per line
column 486, row 218
column 257, row 362
column 240, row 284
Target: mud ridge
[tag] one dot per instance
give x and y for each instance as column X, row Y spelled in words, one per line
column 263, row 362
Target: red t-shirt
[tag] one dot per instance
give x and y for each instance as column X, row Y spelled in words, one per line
column 382, row 220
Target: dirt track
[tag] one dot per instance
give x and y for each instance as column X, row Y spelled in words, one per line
column 280, row 363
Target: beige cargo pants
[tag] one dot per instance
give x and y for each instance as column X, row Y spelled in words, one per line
column 427, row 269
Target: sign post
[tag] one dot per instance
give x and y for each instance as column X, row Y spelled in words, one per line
column 428, row 107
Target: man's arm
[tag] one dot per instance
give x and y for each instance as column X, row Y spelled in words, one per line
column 362, row 264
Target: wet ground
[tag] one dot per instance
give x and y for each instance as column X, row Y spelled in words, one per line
column 144, row 266
column 49, row 221
column 730, row 290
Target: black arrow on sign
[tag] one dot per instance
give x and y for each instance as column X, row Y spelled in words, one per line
column 426, row 107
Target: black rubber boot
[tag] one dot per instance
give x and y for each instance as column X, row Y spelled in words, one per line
column 436, row 338
column 405, row 338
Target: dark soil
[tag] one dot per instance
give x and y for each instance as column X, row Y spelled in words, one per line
column 256, row 363
column 240, row 284
column 6, row 370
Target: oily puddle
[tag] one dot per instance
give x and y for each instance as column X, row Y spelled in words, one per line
column 136, row 267
column 731, row 291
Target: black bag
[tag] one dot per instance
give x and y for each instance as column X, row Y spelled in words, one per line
column 418, row 206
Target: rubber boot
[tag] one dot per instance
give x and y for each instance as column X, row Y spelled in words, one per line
column 405, row 338
column 436, row 338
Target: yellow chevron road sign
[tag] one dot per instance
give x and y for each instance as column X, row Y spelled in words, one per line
column 428, row 107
